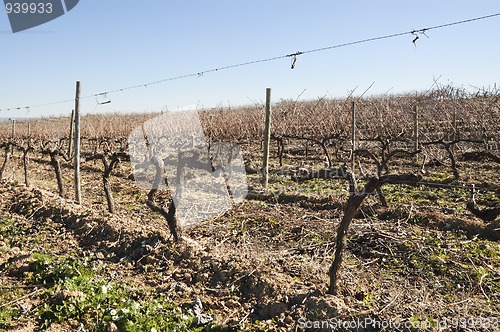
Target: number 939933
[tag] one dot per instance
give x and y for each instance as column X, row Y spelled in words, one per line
column 28, row 8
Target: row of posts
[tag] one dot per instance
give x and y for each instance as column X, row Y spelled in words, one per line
column 75, row 134
column 267, row 135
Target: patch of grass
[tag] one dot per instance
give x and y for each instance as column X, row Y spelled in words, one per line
column 454, row 261
column 7, row 317
column 9, row 228
column 8, row 314
column 423, row 195
column 98, row 303
column 487, row 198
column 367, row 300
column 442, row 177
column 76, row 293
column 45, row 269
column 404, row 194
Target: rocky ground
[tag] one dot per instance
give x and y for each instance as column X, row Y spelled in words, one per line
column 261, row 266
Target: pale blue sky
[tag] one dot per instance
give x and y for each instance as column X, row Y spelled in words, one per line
column 111, row 44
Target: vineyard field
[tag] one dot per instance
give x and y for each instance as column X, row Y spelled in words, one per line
column 422, row 248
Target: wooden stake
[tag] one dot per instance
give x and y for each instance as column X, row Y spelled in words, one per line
column 71, row 127
column 415, row 130
column 13, row 128
column 455, row 132
column 78, row 195
column 267, row 139
column 13, row 133
column 353, row 138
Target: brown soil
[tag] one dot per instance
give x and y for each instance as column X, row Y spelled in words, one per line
column 264, row 264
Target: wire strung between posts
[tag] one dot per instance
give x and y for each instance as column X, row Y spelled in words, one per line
column 292, row 55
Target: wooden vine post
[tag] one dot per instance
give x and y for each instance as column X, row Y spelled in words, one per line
column 78, row 195
column 71, row 127
column 353, row 135
column 415, row 131
column 267, row 139
column 454, row 120
column 13, row 133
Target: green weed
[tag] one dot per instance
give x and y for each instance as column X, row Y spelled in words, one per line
column 77, row 294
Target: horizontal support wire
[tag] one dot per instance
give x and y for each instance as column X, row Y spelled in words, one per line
column 249, row 63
